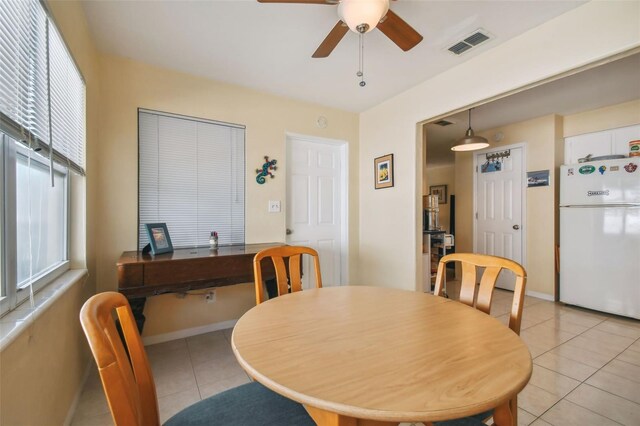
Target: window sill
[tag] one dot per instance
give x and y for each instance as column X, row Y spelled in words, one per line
column 16, row 321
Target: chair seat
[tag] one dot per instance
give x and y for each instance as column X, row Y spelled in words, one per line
column 466, row 421
column 249, row 405
column 476, row 420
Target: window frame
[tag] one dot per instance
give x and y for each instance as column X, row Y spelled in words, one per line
column 51, row 156
column 14, row 294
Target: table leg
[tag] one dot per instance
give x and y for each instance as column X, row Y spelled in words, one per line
column 513, row 404
column 502, row 415
column 327, row 418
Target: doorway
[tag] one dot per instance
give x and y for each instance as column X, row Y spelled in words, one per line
column 499, row 200
column 317, row 207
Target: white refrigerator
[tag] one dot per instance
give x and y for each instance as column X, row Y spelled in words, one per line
column 600, row 235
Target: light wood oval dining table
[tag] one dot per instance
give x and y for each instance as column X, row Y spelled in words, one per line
column 358, row 355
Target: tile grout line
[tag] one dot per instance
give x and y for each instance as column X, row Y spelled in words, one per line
column 229, row 341
column 571, row 402
column 604, row 390
column 193, row 370
column 584, row 382
column 581, row 382
column 588, row 409
column 570, row 358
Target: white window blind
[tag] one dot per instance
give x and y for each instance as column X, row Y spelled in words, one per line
column 191, row 177
column 23, row 66
column 67, row 102
column 42, row 93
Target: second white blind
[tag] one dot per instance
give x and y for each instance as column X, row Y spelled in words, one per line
column 191, row 177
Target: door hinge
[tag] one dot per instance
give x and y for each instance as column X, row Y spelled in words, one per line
column 476, row 215
column 476, row 169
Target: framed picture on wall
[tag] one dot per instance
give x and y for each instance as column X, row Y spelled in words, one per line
column 159, row 238
column 440, row 191
column 383, row 169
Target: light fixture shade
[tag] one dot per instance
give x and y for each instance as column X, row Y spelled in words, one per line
column 470, row 142
column 358, row 12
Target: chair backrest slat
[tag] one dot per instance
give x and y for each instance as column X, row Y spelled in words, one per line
column 281, row 275
column 277, row 255
column 127, row 380
column 468, row 286
column 481, row 298
column 295, row 274
column 487, row 285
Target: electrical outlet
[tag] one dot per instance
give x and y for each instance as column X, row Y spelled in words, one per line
column 274, row 206
column 210, row 297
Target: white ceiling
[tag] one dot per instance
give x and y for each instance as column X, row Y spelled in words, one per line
column 609, row 84
column 268, row 47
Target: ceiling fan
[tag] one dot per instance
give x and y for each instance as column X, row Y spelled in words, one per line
column 362, row 16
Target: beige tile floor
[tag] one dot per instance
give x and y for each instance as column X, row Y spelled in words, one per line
column 586, row 368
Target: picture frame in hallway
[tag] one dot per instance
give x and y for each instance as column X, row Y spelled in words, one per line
column 538, row 178
column 383, row 171
column 440, row 191
column 159, row 239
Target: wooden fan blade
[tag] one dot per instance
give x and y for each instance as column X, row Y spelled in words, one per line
column 331, row 41
column 399, row 31
column 332, row 2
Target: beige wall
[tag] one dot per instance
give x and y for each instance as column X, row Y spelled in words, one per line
column 42, row 370
column 539, row 137
column 390, row 257
column 610, row 117
column 441, row 175
column 127, row 85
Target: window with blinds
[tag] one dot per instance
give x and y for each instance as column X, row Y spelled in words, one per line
column 42, row 118
column 191, row 177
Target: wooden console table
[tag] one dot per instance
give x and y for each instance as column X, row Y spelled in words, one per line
column 142, row 275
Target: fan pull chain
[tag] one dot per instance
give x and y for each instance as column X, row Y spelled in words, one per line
column 360, row 72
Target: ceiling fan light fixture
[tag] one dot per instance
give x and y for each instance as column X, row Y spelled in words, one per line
column 361, row 16
column 470, row 142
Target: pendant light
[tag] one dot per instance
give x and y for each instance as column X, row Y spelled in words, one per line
column 470, row 142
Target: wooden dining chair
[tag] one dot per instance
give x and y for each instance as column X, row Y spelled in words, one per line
column 128, row 383
column 481, row 297
column 285, row 284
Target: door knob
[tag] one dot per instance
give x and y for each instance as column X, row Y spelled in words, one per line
column 289, row 231
column 516, row 227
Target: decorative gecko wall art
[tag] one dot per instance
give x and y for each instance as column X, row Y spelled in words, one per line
column 266, row 169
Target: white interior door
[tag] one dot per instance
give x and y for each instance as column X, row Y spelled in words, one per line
column 315, row 203
column 499, row 226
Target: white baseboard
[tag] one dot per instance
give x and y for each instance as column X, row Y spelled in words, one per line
column 539, row 295
column 188, row 332
column 76, row 399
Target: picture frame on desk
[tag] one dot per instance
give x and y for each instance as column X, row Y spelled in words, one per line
column 159, row 238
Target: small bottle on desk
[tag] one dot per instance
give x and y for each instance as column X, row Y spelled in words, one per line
column 213, row 240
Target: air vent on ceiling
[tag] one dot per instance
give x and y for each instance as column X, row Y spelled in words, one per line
column 443, row 123
column 467, row 43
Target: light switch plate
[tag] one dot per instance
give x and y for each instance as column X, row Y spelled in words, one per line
column 274, row 206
